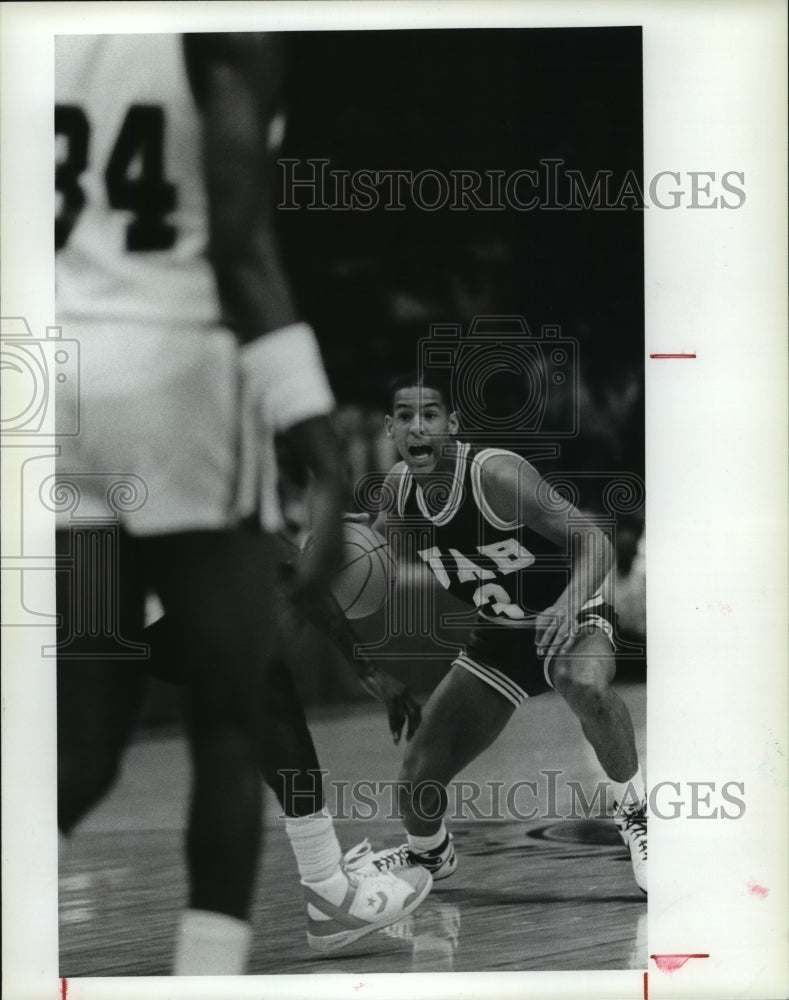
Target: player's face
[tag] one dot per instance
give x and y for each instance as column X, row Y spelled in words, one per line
column 421, row 426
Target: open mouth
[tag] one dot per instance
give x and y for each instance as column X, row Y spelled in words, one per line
column 420, row 452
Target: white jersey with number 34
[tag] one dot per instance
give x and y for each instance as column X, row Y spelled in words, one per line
column 159, row 400
column 131, row 227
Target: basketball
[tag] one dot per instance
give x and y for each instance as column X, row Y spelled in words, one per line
column 368, row 571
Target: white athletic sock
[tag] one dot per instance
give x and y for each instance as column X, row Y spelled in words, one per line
column 211, row 944
column 318, row 854
column 421, row 845
column 629, row 793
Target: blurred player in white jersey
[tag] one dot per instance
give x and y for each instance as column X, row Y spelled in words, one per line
column 168, row 276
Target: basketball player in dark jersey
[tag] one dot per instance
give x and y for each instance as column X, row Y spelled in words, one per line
column 493, row 537
column 191, row 354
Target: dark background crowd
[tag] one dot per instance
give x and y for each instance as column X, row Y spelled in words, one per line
column 373, row 281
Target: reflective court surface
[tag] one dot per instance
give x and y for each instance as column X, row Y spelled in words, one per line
column 551, row 892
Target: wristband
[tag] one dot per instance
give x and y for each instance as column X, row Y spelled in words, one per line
column 283, row 371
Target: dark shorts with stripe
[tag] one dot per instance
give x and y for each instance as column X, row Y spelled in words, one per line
column 505, row 657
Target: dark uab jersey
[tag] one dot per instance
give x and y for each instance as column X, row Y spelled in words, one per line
column 508, row 571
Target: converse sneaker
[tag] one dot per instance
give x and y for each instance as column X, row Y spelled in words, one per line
column 372, row 901
column 441, row 862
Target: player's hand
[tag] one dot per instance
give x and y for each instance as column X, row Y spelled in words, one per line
column 556, row 630
column 401, row 706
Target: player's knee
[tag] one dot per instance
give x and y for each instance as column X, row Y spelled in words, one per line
column 583, row 682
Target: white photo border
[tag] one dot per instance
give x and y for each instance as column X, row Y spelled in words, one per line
column 716, row 445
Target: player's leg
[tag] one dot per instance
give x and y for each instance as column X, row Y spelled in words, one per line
column 99, row 689
column 337, row 911
column 463, row 717
column 583, row 678
column 219, row 589
column 289, row 765
column 286, row 753
column 338, row 908
column 213, row 586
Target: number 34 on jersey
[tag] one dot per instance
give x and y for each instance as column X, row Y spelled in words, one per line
column 133, row 176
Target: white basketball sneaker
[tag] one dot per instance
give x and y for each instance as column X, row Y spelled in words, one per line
column 441, row 862
column 632, row 826
column 372, row 902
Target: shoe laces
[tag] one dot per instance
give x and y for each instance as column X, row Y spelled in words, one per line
column 635, row 824
column 396, row 857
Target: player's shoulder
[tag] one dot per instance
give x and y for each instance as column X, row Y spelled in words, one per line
column 500, row 464
column 505, row 481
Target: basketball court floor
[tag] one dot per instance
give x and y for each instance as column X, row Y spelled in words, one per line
column 550, row 892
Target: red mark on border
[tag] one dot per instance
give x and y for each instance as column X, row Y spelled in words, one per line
column 63, row 989
column 670, row 963
column 758, row 890
column 646, row 986
column 672, row 355
column 358, row 986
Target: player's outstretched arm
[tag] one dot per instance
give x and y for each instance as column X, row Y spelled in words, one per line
column 236, row 79
column 518, row 495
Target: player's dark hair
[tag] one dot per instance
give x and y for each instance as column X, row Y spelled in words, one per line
column 424, row 378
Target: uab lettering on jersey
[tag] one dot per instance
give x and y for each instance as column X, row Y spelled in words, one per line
column 134, row 175
column 508, row 555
